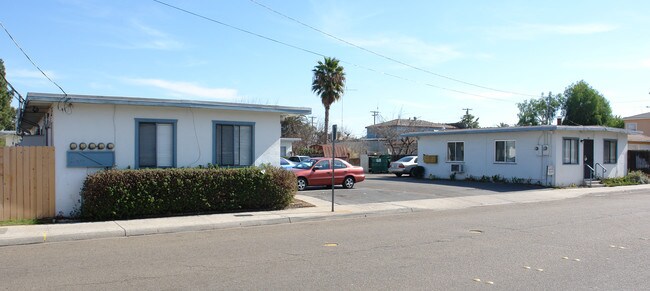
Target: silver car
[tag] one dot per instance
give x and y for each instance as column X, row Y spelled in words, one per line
column 405, row 165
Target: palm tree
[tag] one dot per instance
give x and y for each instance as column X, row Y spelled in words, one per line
column 329, row 84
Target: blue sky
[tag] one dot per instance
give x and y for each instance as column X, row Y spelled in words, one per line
column 521, row 48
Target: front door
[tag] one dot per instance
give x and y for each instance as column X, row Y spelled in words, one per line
column 588, row 156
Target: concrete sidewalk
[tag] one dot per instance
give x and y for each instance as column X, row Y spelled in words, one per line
column 31, row 234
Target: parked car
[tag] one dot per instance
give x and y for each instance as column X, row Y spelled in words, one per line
column 286, row 164
column 317, row 172
column 405, row 165
column 298, row 159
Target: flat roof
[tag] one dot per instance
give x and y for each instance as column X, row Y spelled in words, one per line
column 36, row 105
column 139, row 101
column 517, row 129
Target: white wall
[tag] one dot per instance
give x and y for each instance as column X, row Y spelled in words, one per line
column 567, row 175
column 116, row 123
column 480, row 156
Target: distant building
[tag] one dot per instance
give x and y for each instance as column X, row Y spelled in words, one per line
column 638, row 143
column 385, row 137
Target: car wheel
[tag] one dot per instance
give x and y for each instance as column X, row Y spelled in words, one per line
column 398, row 174
column 302, row 183
column 412, row 172
column 348, row 183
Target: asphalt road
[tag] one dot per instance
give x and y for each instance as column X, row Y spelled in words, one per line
column 388, row 188
column 593, row 242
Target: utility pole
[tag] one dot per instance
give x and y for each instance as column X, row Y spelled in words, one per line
column 467, row 110
column 374, row 116
column 312, row 120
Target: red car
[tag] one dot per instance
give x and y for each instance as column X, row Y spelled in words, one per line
column 317, row 172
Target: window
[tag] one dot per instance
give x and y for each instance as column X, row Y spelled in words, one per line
column 233, row 143
column 505, row 151
column 631, row 126
column 323, row 165
column 570, row 151
column 339, row 165
column 455, row 151
column 610, row 146
column 155, row 143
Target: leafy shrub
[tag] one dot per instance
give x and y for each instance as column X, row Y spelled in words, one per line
column 452, row 176
column 418, row 172
column 638, row 177
column 484, row 179
column 121, row 194
column 632, row 178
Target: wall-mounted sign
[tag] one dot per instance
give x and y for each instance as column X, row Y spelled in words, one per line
column 431, row 159
column 86, row 159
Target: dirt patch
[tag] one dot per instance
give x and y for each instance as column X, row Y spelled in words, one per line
column 297, row 203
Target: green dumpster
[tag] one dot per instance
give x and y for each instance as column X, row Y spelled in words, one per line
column 379, row 164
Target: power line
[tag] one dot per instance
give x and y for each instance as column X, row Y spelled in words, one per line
column 384, row 56
column 30, row 59
column 319, row 54
column 13, row 90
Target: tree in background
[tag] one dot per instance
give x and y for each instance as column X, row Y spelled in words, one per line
column 540, row 111
column 585, row 106
column 328, row 83
column 467, row 121
column 299, row 127
column 7, row 113
column 391, row 135
column 616, row 121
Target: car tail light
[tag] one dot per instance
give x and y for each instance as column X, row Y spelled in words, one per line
column 401, row 165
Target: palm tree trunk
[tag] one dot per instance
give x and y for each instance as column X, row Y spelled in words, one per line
column 327, row 121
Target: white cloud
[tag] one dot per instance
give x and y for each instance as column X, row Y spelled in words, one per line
column 140, row 36
column 187, row 89
column 410, row 47
column 530, row 31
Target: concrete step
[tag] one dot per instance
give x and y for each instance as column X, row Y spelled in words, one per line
column 594, row 183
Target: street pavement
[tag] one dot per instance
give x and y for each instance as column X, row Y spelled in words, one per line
column 44, row 233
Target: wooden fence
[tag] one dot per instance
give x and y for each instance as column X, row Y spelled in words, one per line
column 27, row 182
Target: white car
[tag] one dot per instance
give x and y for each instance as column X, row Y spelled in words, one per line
column 405, row 165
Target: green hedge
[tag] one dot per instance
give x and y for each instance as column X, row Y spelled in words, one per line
column 122, row 194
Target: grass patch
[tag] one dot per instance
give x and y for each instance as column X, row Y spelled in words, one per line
column 19, row 222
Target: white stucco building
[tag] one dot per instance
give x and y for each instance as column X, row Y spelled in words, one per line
column 551, row 155
column 90, row 133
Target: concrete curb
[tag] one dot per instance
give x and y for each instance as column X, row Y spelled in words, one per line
column 33, row 234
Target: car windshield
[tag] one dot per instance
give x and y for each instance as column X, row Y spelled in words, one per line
column 405, row 159
column 306, row 164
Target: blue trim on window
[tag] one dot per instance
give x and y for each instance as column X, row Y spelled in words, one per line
column 173, row 122
column 224, row 122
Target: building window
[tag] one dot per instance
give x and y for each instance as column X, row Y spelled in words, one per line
column 631, row 126
column 233, row 143
column 610, row 146
column 455, row 151
column 155, row 143
column 505, row 151
column 570, row 151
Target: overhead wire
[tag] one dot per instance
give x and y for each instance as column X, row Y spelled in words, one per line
column 385, row 56
column 30, row 59
column 320, row 54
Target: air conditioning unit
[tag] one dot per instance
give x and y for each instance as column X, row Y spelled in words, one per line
column 458, row 168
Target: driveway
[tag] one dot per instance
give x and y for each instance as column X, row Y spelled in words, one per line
column 388, row 188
